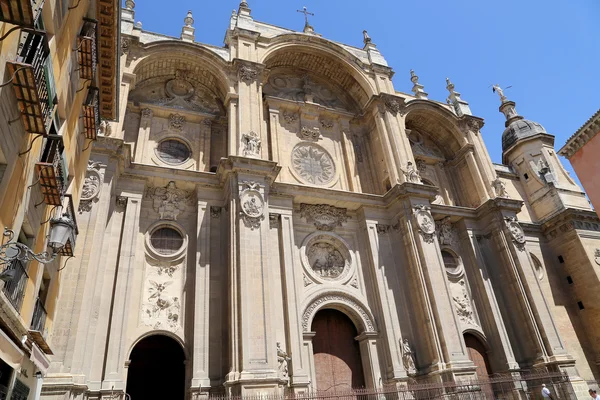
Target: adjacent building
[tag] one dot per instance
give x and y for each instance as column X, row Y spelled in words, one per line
column 58, row 82
column 273, row 217
column 582, row 150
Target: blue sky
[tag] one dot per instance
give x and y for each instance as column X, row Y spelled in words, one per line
column 547, row 50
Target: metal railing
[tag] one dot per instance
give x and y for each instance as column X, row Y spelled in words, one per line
column 87, row 54
column 14, row 289
column 21, row 12
column 38, row 321
column 69, row 209
column 52, row 171
column 91, row 113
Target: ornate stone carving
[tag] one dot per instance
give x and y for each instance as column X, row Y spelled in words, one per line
column 516, row 232
column 251, row 144
column 408, row 357
column 326, row 261
column 105, row 128
column 326, row 123
column 354, row 282
column 310, row 133
column 471, row 125
column 313, row 164
column 306, row 89
column 274, row 220
column 91, row 187
column 163, row 267
column 425, row 222
column 383, row 229
column 169, row 201
column 282, row 359
column 307, row 281
column 124, row 45
column 215, row 212
column 462, row 304
column 176, row 122
column 392, row 105
column 147, row 113
column 290, row 117
column 421, row 165
column 252, row 205
column 161, row 310
column 346, row 300
column 446, row 233
column 324, row 217
column 597, row 256
column 500, row 188
column 422, row 145
column 247, row 74
column 121, row 202
column 411, row 173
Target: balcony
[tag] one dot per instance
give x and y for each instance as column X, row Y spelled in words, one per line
column 33, row 81
column 38, row 321
column 14, row 289
column 69, row 209
column 21, row 12
column 87, row 55
column 91, row 114
column 52, row 171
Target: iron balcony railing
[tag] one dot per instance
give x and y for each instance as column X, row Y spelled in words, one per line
column 33, row 81
column 52, row 171
column 14, row 289
column 91, row 113
column 68, row 209
column 21, row 12
column 87, row 53
column 38, row 322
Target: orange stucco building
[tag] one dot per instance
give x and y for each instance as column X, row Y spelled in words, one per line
column 583, row 150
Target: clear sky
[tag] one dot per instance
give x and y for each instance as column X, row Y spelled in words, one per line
column 547, row 50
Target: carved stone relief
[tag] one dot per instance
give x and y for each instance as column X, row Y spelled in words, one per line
column 421, row 145
column 91, row 187
column 516, row 232
column 215, row 212
column 304, row 88
column 247, row 74
column 500, row 188
column 283, row 359
column 326, row 123
column 252, row 205
column 425, row 222
column 161, row 307
column 169, row 201
column 313, row 164
column 323, row 216
column 597, row 256
column 251, row 144
column 176, row 122
column 326, row 261
column 408, row 357
column 411, row 173
column 345, row 300
column 309, row 133
column 446, row 233
column 421, row 165
column 462, row 302
column 290, row 117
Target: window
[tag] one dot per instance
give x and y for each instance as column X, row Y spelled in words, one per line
column 569, row 280
column 166, row 240
column 173, row 151
column 580, row 305
column 451, row 262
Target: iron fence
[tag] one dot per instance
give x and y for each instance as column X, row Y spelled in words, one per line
column 38, row 322
column 14, row 289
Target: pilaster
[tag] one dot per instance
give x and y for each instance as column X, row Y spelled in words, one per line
column 143, row 134
column 370, row 359
column 250, row 109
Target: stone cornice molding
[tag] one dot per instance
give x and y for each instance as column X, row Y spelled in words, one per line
column 234, row 164
column 114, row 148
column 469, row 123
column 249, row 71
column 583, row 135
column 570, row 219
column 499, row 204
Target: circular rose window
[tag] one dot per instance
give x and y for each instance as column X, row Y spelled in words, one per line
column 166, row 241
column 173, row 151
column 313, row 164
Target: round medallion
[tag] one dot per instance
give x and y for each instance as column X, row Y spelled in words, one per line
column 179, row 88
column 91, row 185
column 426, row 222
column 326, row 258
column 252, row 203
column 516, row 231
column 313, row 164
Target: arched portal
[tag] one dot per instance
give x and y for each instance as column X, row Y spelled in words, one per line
column 156, row 369
column 338, row 366
column 478, row 354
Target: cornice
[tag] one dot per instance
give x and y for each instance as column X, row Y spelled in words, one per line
column 583, row 135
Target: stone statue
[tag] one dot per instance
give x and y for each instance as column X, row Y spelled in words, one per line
column 169, row 201
column 408, row 357
column 251, row 144
column 500, row 188
column 411, row 173
column 282, row 358
column 497, row 89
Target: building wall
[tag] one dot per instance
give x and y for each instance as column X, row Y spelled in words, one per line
column 586, row 166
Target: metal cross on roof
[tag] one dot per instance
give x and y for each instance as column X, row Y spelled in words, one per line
column 306, row 14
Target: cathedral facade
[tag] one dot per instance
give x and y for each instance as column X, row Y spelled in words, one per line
column 272, row 215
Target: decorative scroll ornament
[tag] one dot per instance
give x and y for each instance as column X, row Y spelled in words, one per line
column 247, row 74
column 326, row 123
column 425, row 222
column 176, row 122
column 516, row 232
column 163, row 267
column 307, row 133
column 282, row 359
column 251, row 144
column 324, row 217
column 411, row 173
column 408, row 357
column 169, row 201
column 392, row 105
column 462, row 304
column 147, row 113
column 161, row 310
column 500, row 188
column 215, row 212
column 597, row 256
column 421, row 165
column 91, row 187
column 290, row 117
column 252, row 205
column 446, row 233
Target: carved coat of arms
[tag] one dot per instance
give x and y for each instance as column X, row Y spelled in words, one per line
column 169, row 201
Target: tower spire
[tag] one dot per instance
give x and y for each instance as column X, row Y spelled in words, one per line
column 461, row 107
column 417, row 88
column 507, row 107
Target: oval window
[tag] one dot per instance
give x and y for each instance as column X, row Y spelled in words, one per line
column 166, row 241
column 173, row 151
column 450, row 262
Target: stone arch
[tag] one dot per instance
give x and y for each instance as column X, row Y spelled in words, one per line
column 359, row 313
column 321, row 58
column 170, row 335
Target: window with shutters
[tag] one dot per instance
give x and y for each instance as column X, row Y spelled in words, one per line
column 166, row 241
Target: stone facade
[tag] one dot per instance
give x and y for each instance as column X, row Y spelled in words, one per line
column 291, row 177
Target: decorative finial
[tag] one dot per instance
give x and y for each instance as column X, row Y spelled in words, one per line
column 366, row 38
column 138, row 25
column 307, row 27
column 417, row 88
column 497, row 89
column 188, row 20
column 507, row 107
column 243, row 4
column 129, row 5
column 460, row 106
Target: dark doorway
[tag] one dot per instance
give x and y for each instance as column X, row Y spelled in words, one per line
column 338, row 365
column 478, row 354
column 156, row 370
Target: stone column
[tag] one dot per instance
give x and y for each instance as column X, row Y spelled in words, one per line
column 308, row 352
column 143, row 134
column 480, row 184
column 388, row 151
column 250, row 101
column 233, row 135
column 400, row 148
column 349, row 159
column 274, row 132
column 131, row 241
column 370, row 359
column 204, row 156
column 200, row 378
column 292, row 285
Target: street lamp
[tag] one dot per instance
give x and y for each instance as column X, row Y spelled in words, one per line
column 61, row 229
